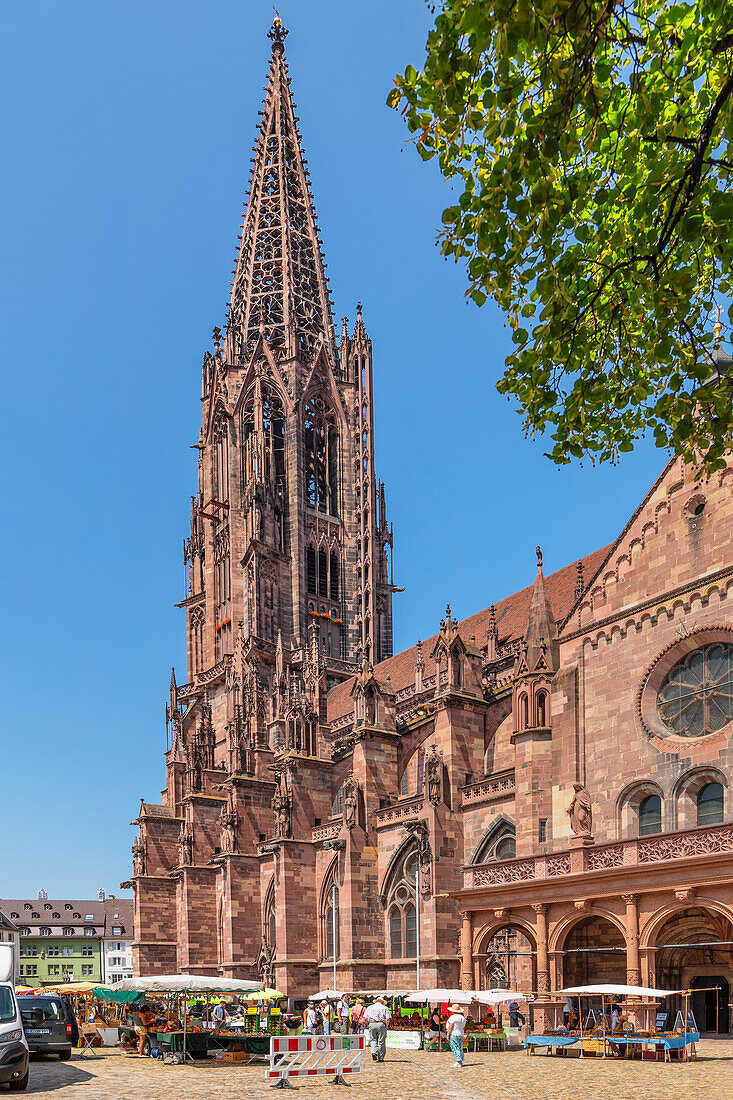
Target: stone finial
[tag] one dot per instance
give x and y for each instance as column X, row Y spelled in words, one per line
column 538, row 551
column 277, row 33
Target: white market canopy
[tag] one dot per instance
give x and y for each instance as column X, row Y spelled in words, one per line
column 439, row 996
column 618, row 991
column 499, row 996
column 328, row 995
column 186, row 983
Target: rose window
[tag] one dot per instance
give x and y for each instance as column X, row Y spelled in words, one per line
column 696, row 696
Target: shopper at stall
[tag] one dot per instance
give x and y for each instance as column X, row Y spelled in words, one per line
column 343, row 1012
column 219, row 1015
column 358, row 1016
column 567, row 1011
column 377, row 1017
column 515, row 1016
column 143, row 1018
column 456, row 1029
column 326, row 1016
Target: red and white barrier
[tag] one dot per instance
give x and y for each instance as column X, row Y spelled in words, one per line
column 314, row 1056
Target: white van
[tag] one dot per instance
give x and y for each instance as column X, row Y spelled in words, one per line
column 13, row 1044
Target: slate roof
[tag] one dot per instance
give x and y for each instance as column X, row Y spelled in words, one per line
column 511, row 622
column 102, row 913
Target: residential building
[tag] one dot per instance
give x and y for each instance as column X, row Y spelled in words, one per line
column 10, row 934
column 62, row 940
column 547, row 781
column 117, row 941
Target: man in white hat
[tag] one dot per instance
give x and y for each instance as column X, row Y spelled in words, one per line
column 455, row 1030
column 377, row 1017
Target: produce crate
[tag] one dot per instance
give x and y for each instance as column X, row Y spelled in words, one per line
column 234, row 1056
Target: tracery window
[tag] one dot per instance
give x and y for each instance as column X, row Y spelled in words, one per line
column 270, row 924
column 696, row 696
column 220, row 470
column 330, row 916
column 401, row 910
column 499, row 843
column 321, row 456
column 263, row 437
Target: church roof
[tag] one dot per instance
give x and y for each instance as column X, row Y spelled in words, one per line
column 280, row 288
column 511, row 622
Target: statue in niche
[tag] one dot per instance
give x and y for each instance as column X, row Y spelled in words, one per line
column 351, row 802
column 580, row 811
column 281, row 807
column 433, row 770
column 186, row 845
column 228, row 821
column 138, row 857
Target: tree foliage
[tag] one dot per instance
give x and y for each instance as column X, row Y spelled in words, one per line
column 588, row 144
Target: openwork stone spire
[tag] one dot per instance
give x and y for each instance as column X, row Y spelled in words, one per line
column 280, row 288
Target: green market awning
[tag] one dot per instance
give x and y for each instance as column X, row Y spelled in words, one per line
column 118, row 997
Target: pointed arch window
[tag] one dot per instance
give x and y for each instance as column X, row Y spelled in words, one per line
column 542, row 709
column 330, row 916
column 401, row 909
column 321, row 456
column 499, row 843
column 220, row 466
column 523, row 712
column 263, row 437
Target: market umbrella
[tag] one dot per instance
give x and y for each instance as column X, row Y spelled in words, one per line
column 70, row 987
column 441, row 996
column 263, row 995
column 328, row 995
column 498, row 996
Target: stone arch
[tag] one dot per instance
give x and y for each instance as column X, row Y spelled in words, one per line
column 513, row 961
column 397, row 856
column 563, row 928
column 499, row 826
column 686, row 789
column 650, row 931
column 628, row 803
column 599, row 954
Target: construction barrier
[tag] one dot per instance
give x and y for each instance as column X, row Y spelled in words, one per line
column 313, row 1056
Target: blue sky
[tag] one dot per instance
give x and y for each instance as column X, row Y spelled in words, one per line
column 126, row 131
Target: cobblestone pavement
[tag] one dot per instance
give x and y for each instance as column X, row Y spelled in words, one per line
column 408, row 1074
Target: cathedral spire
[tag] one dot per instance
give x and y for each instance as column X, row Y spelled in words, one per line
column 280, row 288
column 540, row 636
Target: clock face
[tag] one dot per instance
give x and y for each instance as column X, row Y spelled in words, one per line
column 696, row 695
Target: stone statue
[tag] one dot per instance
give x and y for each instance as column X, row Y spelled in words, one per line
column 228, row 822
column 351, row 802
column 281, row 806
column 581, row 811
column 138, row 857
column 433, row 769
column 186, row 842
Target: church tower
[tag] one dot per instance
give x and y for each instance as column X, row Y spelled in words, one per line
column 289, row 538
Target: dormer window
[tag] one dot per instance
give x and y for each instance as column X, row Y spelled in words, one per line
column 67, row 906
column 77, row 916
column 27, row 906
column 13, row 915
column 47, row 906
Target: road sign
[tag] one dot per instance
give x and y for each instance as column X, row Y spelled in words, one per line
column 314, row 1056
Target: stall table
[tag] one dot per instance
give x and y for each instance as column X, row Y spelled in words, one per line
column 199, row 1042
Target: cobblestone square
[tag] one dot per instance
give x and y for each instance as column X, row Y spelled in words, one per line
column 405, row 1074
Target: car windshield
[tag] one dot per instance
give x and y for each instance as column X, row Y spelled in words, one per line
column 7, row 1004
column 51, row 1009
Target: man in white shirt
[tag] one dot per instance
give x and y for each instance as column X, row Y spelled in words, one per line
column 342, row 1015
column 378, row 1016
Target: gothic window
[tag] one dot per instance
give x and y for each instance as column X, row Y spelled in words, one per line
column 338, row 803
column 322, row 573
column 334, row 576
column 321, row 456
column 310, row 570
column 499, row 843
column 542, row 709
column 197, row 639
column 696, row 696
column 263, row 438
column 401, row 912
column 220, row 471
column 270, row 925
column 523, row 712
column 710, row 804
column 330, row 916
column 650, row 815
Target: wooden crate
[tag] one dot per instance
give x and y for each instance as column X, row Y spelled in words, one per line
column 235, row 1056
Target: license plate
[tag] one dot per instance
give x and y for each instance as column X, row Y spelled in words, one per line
column 38, row 1031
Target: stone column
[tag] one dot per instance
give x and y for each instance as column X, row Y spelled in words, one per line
column 543, row 964
column 633, row 970
column 466, row 952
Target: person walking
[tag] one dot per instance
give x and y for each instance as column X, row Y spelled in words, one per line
column 343, row 1011
column 378, row 1016
column 358, row 1017
column 327, row 1016
column 456, row 1029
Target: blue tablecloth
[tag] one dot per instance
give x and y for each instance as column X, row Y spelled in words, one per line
column 676, row 1042
column 550, row 1040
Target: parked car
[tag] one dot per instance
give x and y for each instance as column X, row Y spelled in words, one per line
column 48, row 1029
column 13, row 1044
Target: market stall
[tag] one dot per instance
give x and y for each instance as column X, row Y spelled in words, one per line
column 180, row 986
column 626, row 1036
column 478, row 1035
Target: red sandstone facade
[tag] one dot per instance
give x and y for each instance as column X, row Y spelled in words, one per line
column 302, row 753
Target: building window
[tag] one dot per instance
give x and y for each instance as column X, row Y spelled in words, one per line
column 25, row 931
column 542, row 709
column 523, row 712
column 321, row 457
column 117, row 930
column 401, row 913
column 54, row 970
column 87, row 971
column 45, row 931
column 67, row 952
column 542, row 835
column 68, row 931
column 89, row 932
column 650, row 815
column 499, row 843
column 87, row 951
column 696, row 696
column 710, row 804
column 30, row 950
column 330, row 915
column 53, row 952
column 31, row 970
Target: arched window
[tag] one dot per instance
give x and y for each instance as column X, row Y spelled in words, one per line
column 710, row 804
column 321, row 456
column 263, row 420
column 499, row 843
column 270, row 924
column 523, row 712
column 401, row 910
column 542, row 709
column 650, row 815
column 330, row 917
column 220, row 470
